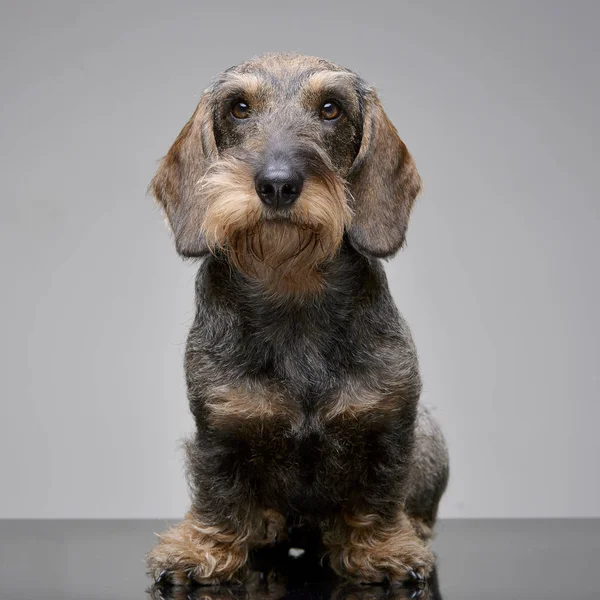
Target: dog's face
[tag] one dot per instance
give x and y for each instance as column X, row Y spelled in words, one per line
column 282, row 157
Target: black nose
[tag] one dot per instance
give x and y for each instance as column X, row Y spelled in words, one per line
column 278, row 185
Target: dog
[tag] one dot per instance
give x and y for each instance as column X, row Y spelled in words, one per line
column 291, row 183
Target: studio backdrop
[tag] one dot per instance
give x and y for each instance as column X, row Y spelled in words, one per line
column 498, row 103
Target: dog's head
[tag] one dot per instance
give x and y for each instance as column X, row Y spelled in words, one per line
column 283, row 156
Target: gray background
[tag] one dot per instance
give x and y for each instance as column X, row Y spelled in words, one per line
column 498, row 103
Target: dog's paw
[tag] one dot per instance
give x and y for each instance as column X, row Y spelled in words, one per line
column 370, row 549
column 180, row 569
column 185, row 556
column 413, row 569
column 411, row 561
column 179, row 575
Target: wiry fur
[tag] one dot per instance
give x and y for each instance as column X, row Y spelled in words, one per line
column 302, row 376
column 194, row 550
column 282, row 254
column 365, row 546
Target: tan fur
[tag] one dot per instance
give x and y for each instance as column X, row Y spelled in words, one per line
column 210, row 554
column 322, row 80
column 251, row 84
column 226, row 404
column 232, row 205
column 356, row 399
column 283, row 255
column 194, row 550
column 365, row 548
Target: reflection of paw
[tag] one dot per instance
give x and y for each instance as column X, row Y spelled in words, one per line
column 260, row 585
column 380, row 592
column 160, row 592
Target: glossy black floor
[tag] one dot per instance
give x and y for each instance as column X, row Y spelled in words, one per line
column 52, row 560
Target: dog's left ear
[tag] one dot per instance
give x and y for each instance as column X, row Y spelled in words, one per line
column 175, row 184
column 384, row 183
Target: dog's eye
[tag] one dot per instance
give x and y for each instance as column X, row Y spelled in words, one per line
column 330, row 111
column 240, row 109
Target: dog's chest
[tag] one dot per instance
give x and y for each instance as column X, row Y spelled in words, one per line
column 302, row 454
column 307, row 352
column 298, row 402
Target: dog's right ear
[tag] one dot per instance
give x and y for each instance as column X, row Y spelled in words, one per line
column 175, row 185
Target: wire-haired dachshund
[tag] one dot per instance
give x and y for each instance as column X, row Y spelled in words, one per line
column 291, row 183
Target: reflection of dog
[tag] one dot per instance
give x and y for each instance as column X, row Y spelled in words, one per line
column 302, row 376
column 268, row 589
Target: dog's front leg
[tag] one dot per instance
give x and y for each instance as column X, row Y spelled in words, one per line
column 212, row 544
column 372, row 538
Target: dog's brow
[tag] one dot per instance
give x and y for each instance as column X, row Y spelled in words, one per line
column 248, row 83
column 329, row 79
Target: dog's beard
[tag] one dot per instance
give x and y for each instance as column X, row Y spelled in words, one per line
column 283, row 252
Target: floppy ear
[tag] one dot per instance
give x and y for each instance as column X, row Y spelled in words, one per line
column 383, row 182
column 175, row 183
